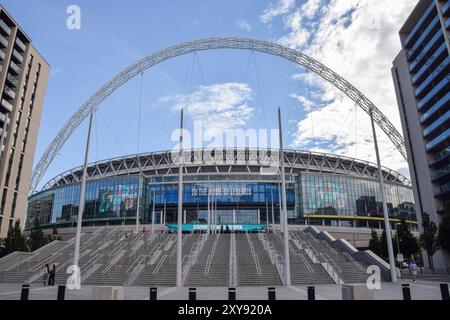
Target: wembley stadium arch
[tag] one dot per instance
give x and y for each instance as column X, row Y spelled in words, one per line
column 153, row 59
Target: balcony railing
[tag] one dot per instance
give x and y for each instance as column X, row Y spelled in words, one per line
column 17, row 56
column 14, row 67
column 20, row 44
column 416, row 28
column 436, row 124
column 10, row 92
column 436, row 107
column 442, row 173
column 8, row 106
column 2, row 117
column 438, row 140
column 3, row 41
column 5, row 27
column 12, row 80
column 443, row 189
column 2, row 55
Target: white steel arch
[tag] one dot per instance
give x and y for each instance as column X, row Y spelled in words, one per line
column 209, row 44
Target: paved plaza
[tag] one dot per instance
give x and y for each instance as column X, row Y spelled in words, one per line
column 421, row 290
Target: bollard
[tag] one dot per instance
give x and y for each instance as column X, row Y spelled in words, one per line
column 406, row 292
column 231, row 293
column 192, row 294
column 311, row 293
column 271, row 292
column 444, row 291
column 153, row 294
column 25, row 292
column 61, row 293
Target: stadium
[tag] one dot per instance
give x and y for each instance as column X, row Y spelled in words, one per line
column 322, row 190
column 227, row 193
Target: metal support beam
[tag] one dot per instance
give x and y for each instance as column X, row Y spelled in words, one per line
column 76, row 255
column 287, row 266
column 180, row 210
column 387, row 224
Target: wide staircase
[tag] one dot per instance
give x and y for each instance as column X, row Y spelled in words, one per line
column 303, row 270
column 254, row 267
column 212, row 266
column 115, row 257
column 348, row 270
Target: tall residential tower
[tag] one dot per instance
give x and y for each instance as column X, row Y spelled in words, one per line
column 23, row 81
column 422, row 83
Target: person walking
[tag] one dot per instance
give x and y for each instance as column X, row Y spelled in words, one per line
column 51, row 281
column 45, row 277
column 413, row 270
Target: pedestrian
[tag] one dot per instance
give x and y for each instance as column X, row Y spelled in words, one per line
column 45, row 277
column 51, row 281
column 413, row 270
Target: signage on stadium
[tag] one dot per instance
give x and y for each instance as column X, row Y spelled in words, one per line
column 219, row 227
column 220, row 191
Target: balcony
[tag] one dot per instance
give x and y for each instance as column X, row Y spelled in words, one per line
column 442, row 173
column 4, row 27
column 446, row 9
column 20, row 45
column 438, row 140
column 414, row 32
column 436, row 76
column 10, row 92
column 17, row 56
column 435, row 59
column 444, row 154
column 12, row 80
column 435, row 125
column 424, row 38
column 14, row 67
column 438, row 88
column 443, row 102
column 2, row 55
column 2, row 117
column 426, row 51
column 442, row 191
column 3, row 42
column 8, row 106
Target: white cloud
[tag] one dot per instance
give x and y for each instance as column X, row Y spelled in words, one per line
column 243, row 24
column 218, row 106
column 358, row 40
column 280, row 8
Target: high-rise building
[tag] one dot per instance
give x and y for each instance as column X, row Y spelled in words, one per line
column 23, row 81
column 422, row 83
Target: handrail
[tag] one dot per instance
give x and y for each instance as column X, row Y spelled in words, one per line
column 233, row 265
column 360, row 267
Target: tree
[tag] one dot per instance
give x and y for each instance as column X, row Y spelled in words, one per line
column 55, row 235
column 428, row 238
column 374, row 243
column 15, row 240
column 444, row 229
column 408, row 244
column 37, row 238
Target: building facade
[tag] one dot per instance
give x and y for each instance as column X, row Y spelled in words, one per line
column 23, row 81
column 422, row 83
column 322, row 190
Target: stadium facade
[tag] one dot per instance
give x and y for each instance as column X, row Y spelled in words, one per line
column 322, row 189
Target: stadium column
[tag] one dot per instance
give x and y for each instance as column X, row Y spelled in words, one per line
column 180, row 208
column 287, row 266
column 385, row 209
column 82, row 193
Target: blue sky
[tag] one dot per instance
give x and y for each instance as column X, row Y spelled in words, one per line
column 115, row 34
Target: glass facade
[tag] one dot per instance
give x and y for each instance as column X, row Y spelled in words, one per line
column 334, row 199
